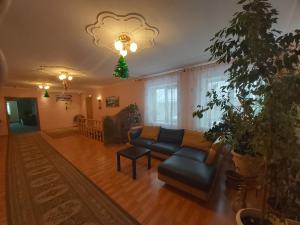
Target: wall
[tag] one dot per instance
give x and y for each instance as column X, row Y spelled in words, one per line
column 52, row 114
column 129, row 92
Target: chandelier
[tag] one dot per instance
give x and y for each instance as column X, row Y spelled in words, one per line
column 45, row 87
column 66, row 79
column 123, row 44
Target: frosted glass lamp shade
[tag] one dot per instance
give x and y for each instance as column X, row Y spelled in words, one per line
column 133, row 47
column 123, row 53
column 118, row 45
column 62, row 76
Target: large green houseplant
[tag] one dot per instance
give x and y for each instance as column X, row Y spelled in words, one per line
column 259, row 101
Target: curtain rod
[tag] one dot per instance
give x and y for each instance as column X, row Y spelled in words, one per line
column 174, row 70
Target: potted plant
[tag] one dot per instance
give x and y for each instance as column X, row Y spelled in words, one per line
column 259, row 105
column 134, row 116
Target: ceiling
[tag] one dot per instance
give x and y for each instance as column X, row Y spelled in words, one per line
column 52, row 33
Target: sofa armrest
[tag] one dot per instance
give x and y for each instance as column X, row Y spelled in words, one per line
column 134, row 133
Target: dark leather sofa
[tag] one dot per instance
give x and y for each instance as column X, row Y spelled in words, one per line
column 184, row 167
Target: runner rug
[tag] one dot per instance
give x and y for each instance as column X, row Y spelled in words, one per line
column 46, row 189
column 63, row 132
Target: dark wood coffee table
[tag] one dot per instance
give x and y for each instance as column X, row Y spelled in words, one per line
column 133, row 153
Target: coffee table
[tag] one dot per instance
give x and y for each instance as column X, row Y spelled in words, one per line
column 133, row 153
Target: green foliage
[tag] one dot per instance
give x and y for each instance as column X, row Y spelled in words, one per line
column 276, row 138
column 121, row 69
column 134, row 116
column 46, row 94
column 264, row 74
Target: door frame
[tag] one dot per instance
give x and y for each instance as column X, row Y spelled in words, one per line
column 6, row 99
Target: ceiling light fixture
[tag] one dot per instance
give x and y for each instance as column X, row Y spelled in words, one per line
column 46, row 88
column 118, row 45
column 123, row 53
column 118, row 32
column 66, row 79
column 123, row 44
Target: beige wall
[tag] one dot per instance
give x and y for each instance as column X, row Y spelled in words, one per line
column 52, row 114
column 129, row 92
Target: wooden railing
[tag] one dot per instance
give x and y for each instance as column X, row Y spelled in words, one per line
column 91, row 129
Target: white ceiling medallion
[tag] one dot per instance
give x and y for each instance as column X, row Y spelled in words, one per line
column 57, row 70
column 110, row 26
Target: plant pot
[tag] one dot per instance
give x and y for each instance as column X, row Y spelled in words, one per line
column 242, row 213
column 255, row 213
column 247, row 165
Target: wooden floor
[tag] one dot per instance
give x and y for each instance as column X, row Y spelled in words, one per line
column 149, row 200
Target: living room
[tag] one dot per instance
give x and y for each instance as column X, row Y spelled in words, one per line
column 156, row 112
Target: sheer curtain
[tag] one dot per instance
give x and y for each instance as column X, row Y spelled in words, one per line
column 200, row 80
column 162, row 100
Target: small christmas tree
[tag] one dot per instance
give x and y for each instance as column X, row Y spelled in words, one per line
column 121, row 69
column 46, row 94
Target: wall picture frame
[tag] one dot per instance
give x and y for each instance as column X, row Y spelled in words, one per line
column 112, row 101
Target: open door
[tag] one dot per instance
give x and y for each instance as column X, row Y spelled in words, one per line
column 22, row 115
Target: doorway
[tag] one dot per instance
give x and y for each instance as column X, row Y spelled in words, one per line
column 89, row 107
column 22, row 115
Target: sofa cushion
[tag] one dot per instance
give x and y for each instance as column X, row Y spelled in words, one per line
column 172, row 136
column 143, row 142
column 150, row 132
column 195, row 139
column 165, row 148
column 192, row 153
column 188, row 171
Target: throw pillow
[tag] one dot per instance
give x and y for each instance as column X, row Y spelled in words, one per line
column 195, row 139
column 150, row 132
column 213, row 152
column 173, row 136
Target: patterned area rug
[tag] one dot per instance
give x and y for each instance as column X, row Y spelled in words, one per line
column 46, row 189
column 63, row 132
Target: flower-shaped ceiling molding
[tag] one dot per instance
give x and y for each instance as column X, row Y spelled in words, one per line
column 109, row 26
column 57, row 70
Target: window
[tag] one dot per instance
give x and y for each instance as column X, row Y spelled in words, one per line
column 161, row 103
column 207, row 79
column 214, row 115
column 8, row 108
